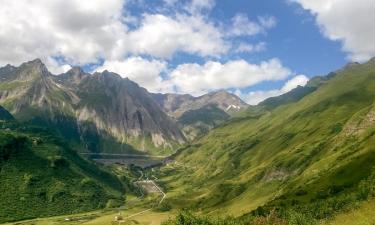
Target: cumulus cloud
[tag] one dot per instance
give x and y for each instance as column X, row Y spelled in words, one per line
column 145, row 72
column 198, row 79
column 78, row 30
column 243, row 26
column 162, row 36
column 256, row 97
column 351, row 22
column 86, row 32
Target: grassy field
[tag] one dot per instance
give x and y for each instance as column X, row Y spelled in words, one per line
column 313, row 151
column 363, row 215
column 137, row 211
column 41, row 176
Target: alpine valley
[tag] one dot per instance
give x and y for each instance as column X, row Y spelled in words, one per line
column 305, row 157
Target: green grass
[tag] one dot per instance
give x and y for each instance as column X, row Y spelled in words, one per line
column 41, row 176
column 307, row 150
column 198, row 122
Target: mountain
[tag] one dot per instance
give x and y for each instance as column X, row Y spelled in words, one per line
column 102, row 110
column 40, row 175
column 198, row 115
column 176, row 104
column 309, row 155
column 197, row 122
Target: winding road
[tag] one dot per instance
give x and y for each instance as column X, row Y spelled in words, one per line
column 159, row 190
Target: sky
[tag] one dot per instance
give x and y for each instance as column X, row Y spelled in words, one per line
column 253, row 48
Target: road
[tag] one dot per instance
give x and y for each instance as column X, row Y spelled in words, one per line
column 159, row 190
column 120, row 154
column 152, row 189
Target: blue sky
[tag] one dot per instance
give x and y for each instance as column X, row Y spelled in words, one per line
column 253, row 48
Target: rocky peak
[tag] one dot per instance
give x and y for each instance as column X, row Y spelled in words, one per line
column 7, row 72
column 103, row 105
column 176, row 105
column 33, row 69
column 74, row 75
column 224, row 100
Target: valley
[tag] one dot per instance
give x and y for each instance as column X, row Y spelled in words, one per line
column 187, row 112
column 304, row 157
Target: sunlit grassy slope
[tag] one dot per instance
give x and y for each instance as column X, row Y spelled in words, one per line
column 308, row 149
column 363, row 215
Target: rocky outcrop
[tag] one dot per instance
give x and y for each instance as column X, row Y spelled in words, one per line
column 92, row 106
column 198, row 115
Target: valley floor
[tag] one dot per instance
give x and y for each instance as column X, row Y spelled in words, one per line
column 137, row 210
column 103, row 218
column 364, row 215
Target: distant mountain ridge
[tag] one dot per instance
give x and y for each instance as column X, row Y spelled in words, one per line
column 198, row 115
column 107, row 113
column 176, row 104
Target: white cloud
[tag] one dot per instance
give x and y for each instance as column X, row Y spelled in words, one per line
column 146, row 73
column 162, row 36
column 351, row 22
column 300, row 80
column 256, row 97
column 198, row 79
column 245, row 47
column 81, row 32
column 243, row 26
column 78, row 30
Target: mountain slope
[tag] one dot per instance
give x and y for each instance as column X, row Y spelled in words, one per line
column 175, row 104
column 198, row 115
column 41, row 176
column 104, row 111
column 303, row 155
column 198, row 122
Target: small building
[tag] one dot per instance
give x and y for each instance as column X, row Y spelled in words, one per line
column 118, row 218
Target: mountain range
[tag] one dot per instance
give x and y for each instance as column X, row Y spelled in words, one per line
column 303, row 157
column 104, row 112
column 307, row 155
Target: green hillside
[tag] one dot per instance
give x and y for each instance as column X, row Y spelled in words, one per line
column 308, row 156
column 40, row 175
column 199, row 121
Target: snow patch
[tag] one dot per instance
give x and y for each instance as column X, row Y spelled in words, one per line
column 233, row 107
